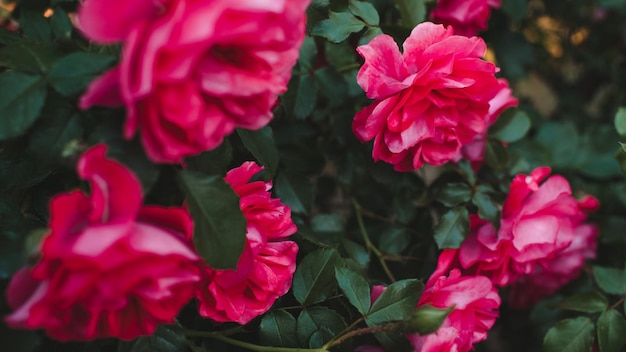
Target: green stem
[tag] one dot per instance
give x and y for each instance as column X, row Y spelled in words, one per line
column 368, row 243
column 363, row 331
column 247, row 345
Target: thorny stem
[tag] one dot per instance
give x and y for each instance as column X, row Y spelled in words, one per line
column 368, row 243
column 363, row 331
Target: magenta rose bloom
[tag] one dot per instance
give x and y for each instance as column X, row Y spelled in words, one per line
column 194, row 70
column 430, row 100
column 475, row 300
column 109, row 267
column 566, row 266
column 266, row 266
column 467, row 17
column 539, row 220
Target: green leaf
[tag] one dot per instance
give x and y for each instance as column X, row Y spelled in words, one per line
column 452, row 228
column 71, row 74
column 308, row 54
column 364, row 10
column 427, row 319
column 413, row 12
column 314, row 279
column 318, row 325
column 394, row 240
column 54, row 131
column 337, row 27
column 306, row 97
column 570, row 335
column 453, row 193
column 397, row 302
column 487, row 208
column 620, row 121
column 167, row 338
column 562, row 140
column 29, row 56
column 610, row 280
column 213, row 162
column 496, row 155
column 587, row 302
column 10, row 37
column 219, row 226
column 278, row 328
column 261, row 144
column 370, row 34
column 355, row 287
column 23, row 96
column 340, row 55
column 356, row 252
column 611, row 331
column 511, row 126
column 295, row 191
column 60, row 23
column 330, row 223
column 35, row 25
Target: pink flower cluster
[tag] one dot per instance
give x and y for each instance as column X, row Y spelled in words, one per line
column 431, row 101
column 467, row 17
column 193, row 71
column 112, row 267
column 541, row 229
column 541, row 245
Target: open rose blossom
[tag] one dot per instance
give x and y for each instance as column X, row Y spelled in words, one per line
column 544, row 281
column 193, row 70
column 475, row 300
column 467, row 17
column 266, row 266
column 475, row 151
column 540, row 221
column 430, row 100
column 109, row 267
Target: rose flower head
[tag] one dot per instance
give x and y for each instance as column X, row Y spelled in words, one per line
column 566, row 266
column 430, row 100
column 475, row 300
column 266, row 266
column 540, row 219
column 193, row 70
column 467, row 17
column 109, row 266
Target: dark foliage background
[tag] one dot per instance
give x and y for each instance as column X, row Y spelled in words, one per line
column 566, row 61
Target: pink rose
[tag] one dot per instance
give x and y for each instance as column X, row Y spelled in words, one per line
column 430, row 100
column 475, row 151
column 476, row 302
column 467, row 17
column 265, row 269
column 539, row 220
column 193, row 71
column 109, row 267
column 544, row 281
